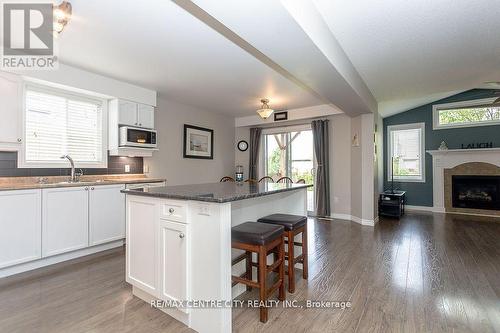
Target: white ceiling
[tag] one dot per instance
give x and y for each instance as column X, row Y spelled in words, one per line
column 410, row 52
column 160, row 46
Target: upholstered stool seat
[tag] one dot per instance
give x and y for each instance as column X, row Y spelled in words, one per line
column 294, row 225
column 262, row 239
column 256, row 233
column 288, row 221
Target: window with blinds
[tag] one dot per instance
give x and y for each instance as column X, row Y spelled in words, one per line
column 406, row 146
column 59, row 123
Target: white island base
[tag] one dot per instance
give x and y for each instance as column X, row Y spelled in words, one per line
column 180, row 250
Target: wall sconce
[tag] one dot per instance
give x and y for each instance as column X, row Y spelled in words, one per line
column 62, row 15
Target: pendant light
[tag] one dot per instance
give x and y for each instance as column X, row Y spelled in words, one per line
column 62, row 15
column 265, row 111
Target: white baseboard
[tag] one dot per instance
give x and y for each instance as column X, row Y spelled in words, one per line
column 28, row 266
column 356, row 219
column 420, row 208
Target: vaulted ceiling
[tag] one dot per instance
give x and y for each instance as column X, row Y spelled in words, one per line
column 224, row 55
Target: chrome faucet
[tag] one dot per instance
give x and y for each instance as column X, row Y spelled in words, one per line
column 73, row 178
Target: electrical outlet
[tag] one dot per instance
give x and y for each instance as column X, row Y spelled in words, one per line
column 145, row 168
column 127, row 168
column 204, row 209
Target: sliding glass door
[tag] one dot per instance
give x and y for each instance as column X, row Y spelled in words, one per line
column 290, row 153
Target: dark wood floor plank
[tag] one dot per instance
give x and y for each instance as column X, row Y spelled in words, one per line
column 424, row 273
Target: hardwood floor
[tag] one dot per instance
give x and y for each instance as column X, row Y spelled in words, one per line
column 425, row 273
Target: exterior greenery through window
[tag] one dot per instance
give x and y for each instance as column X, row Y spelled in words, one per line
column 290, row 154
column 406, row 152
column 465, row 114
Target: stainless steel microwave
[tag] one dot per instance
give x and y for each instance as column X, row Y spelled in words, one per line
column 137, row 137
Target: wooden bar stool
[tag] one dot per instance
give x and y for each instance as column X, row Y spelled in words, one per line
column 260, row 238
column 294, row 225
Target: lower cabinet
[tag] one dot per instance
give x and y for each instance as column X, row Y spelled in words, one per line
column 64, row 220
column 142, row 262
column 20, row 225
column 106, row 214
column 157, row 253
column 36, row 223
column 173, row 272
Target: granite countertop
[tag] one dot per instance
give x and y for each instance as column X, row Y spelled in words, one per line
column 216, row 192
column 26, row 183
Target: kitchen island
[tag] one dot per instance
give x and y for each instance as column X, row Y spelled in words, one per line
column 179, row 253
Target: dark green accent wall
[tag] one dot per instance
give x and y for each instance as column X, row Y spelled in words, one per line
column 420, row 194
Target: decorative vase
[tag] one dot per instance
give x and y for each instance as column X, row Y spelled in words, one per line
column 443, row 146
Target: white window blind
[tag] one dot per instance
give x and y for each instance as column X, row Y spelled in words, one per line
column 59, row 123
column 406, row 159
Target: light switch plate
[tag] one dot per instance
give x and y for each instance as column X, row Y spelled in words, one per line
column 127, row 168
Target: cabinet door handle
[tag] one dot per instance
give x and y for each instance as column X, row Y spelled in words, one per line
column 19, row 140
column 181, row 235
column 92, row 188
column 86, row 189
column 171, row 210
column 135, row 124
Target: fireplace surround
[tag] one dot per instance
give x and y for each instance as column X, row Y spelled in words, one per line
column 472, row 188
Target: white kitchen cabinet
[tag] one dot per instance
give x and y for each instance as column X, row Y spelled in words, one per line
column 145, row 116
column 11, row 93
column 64, row 220
column 173, row 257
column 142, row 254
column 127, row 113
column 106, row 214
column 132, row 114
column 20, row 225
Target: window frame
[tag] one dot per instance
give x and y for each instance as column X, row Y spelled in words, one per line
column 406, row 179
column 463, row 104
column 87, row 96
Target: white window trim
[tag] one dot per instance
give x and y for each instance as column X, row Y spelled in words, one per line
column 471, row 103
column 21, row 155
column 406, row 179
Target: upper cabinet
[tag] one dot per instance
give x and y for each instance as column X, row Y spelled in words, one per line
column 133, row 114
column 11, row 93
column 127, row 113
column 146, row 116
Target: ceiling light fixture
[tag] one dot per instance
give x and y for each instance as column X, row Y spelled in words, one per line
column 62, row 14
column 265, row 111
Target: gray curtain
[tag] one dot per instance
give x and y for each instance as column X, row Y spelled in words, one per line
column 254, row 152
column 321, row 149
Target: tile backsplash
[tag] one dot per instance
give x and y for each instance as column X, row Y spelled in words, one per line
column 116, row 165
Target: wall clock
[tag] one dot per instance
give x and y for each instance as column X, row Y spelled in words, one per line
column 242, row 145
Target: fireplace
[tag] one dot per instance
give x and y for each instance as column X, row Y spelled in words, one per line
column 476, row 192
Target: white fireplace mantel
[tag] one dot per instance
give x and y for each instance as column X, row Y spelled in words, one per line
column 446, row 159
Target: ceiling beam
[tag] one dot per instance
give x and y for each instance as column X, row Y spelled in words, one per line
column 284, row 37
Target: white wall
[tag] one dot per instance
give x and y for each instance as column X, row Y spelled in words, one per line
column 363, row 170
column 340, row 164
column 168, row 162
column 242, row 158
column 68, row 76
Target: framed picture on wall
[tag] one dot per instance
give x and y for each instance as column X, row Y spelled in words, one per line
column 198, row 142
